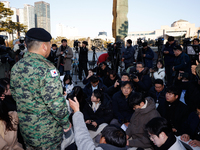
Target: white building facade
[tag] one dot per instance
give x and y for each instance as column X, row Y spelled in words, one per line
column 29, row 16
column 180, row 28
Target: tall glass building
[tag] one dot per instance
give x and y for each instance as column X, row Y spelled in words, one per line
column 42, row 15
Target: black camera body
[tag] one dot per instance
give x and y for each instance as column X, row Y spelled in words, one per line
column 71, row 95
column 93, row 48
column 160, row 41
column 193, row 52
column 76, row 42
column 21, row 45
column 139, row 42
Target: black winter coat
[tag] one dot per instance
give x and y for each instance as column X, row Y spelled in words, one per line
column 192, row 93
column 176, row 114
column 83, row 55
column 148, row 59
column 182, row 63
column 104, row 113
column 157, row 96
column 170, row 57
column 190, row 127
column 122, row 111
column 129, row 55
column 88, row 88
column 108, row 82
column 144, row 84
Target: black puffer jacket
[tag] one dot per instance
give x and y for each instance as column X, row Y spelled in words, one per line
column 104, row 113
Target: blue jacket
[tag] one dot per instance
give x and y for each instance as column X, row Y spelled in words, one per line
column 169, row 58
column 88, row 88
column 182, row 62
column 121, row 108
column 129, row 55
column 148, row 59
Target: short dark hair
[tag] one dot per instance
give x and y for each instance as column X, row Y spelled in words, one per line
column 98, row 94
column 90, row 69
column 129, row 41
column 66, row 78
column 196, row 39
column 158, row 81
column 157, row 125
column 104, row 63
column 174, row 90
column 63, row 40
column 114, row 136
column 125, row 74
column 141, row 64
column 135, row 99
column 54, row 45
column 127, row 82
column 32, row 43
column 85, row 42
column 94, row 79
column 144, row 44
column 170, row 38
column 113, row 72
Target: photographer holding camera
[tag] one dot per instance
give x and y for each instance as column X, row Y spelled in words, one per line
column 146, row 55
column 169, row 58
column 83, row 59
column 142, row 81
column 196, row 41
column 128, row 56
column 64, row 55
column 6, row 58
column 19, row 48
column 52, row 56
column 181, row 63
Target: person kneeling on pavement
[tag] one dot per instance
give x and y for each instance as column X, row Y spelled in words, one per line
column 112, row 138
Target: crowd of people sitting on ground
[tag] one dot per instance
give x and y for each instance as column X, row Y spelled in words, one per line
column 144, row 107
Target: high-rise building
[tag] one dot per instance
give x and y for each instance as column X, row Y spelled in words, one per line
column 20, row 15
column 42, row 15
column 29, row 16
column 14, row 16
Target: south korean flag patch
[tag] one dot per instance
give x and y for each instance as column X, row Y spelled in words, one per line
column 54, row 73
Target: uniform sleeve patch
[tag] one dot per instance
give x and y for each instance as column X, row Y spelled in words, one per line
column 54, row 73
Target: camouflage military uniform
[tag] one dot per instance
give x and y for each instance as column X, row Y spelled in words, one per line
column 41, row 106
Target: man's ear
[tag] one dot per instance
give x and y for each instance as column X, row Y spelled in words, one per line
column 162, row 135
column 176, row 96
column 102, row 140
column 44, row 46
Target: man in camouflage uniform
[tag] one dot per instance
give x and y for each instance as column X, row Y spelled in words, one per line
column 37, row 89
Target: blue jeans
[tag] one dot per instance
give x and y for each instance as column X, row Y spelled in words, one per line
column 67, row 72
column 61, row 70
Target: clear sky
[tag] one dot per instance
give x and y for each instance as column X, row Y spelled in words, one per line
column 92, row 16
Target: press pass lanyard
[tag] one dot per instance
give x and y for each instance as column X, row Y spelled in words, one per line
column 157, row 101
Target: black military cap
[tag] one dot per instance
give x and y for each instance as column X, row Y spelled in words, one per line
column 178, row 47
column 38, row 34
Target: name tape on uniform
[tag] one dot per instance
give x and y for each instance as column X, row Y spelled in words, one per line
column 54, row 73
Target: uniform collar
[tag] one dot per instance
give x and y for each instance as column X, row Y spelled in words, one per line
column 34, row 55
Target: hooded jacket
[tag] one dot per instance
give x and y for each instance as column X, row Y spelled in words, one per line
column 136, row 128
